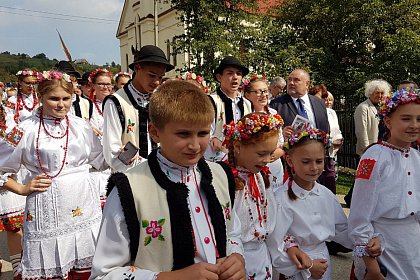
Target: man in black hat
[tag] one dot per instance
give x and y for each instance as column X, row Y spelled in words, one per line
column 84, row 85
column 126, row 111
column 81, row 107
column 228, row 103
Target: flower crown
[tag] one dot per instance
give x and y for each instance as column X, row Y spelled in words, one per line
column 53, row 75
column 312, row 134
column 96, row 72
column 399, row 97
column 192, row 76
column 250, row 78
column 251, row 125
column 26, row 73
column 121, row 74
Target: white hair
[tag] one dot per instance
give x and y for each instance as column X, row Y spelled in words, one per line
column 278, row 81
column 375, row 85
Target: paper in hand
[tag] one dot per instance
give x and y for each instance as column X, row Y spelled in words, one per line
column 301, row 123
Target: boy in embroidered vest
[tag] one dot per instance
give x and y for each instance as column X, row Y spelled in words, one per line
column 228, row 103
column 126, row 111
column 171, row 216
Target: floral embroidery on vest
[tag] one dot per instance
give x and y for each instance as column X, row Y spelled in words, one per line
column 252, row 276
column 365, row 169
column 130, row 126
column 130, row 276
column 153, row 229
column 267, row 273
column 29, row 217
column 226, row 210
column 77, row 212
column 221, row 116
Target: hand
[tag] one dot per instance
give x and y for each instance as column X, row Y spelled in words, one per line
column 276, row 154
column 216, row 144
column 373, row 248
column 374, row 276
column 232, row 267
column 299, row 258
column 38, row 184
column 319, row 268
column 198, row 271
column 287, row 132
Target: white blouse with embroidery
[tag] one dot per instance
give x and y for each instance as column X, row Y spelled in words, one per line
column 114, row 236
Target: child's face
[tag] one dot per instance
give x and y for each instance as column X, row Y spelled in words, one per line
column 255, row 156
column 307, row 161
column 230, row 80
column 182, row 143
column 404, row 125
column 149, row 77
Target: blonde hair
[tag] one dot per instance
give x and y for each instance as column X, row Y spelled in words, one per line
column 49, row 85
column 180, row 101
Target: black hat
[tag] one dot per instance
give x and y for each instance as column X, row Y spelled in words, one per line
column 150, row 53
column 84, row 80
column 66, row 67
column 230, row 61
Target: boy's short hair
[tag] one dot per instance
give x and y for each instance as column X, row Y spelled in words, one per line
column 180, row 101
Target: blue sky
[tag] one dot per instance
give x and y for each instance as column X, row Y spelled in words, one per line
column 89, row 30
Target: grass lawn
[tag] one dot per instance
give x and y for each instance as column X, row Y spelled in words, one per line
column 344, row 183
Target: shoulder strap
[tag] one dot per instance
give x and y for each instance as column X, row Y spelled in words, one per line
column 119, row 109
column 76, row 105
column 120, row 181
column 231, row 180
column 214, row 107
column 90, row 108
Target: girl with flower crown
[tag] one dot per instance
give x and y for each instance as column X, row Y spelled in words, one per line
column 386, row 195
column 62, row 214
column 307, row 209
column 256, row 90
column 25, row 101
column 100, row 80
column 251, row 143
column 121, row 79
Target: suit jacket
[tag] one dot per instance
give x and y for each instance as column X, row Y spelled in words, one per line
column 288, row 111
column 366, row 125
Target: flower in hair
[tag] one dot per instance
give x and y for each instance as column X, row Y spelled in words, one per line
column 121, row 74
column 192, row 76
column 312, row 134
column 252, row 124
column 53, row 75
column 26, row 73
column 400, row 97
column 250, row 78
column 96, row 72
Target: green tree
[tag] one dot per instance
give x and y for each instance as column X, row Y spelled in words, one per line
column 216, row 29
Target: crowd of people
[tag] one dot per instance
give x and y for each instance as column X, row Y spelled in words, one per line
column 135, row 176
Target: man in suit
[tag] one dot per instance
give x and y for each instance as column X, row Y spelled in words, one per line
column 297, row 101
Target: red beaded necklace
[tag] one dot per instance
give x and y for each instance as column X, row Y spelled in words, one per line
column 260, row 201
column 41, row 123
column 20, row 104
column 97, row 106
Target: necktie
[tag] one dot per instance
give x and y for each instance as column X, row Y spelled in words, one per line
column 301, row 109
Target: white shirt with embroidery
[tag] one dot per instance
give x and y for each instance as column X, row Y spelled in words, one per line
column 112, row 256
column 112, row 133
column 386, row 202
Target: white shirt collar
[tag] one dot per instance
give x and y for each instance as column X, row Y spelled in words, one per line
column 302, row 193
column 173, row 171
column 238, row 95
column 304, row 98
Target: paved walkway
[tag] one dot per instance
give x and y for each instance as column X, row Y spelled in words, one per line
column 341, row 264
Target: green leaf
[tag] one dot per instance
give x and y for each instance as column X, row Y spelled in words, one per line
column 147, row 240
column 161, row 237
column 144, row 223
column 161, row 222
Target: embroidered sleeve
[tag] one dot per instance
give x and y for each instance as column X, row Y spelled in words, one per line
column 365, row 200
column 289, row 242
column 14, row 136
column 5, row 177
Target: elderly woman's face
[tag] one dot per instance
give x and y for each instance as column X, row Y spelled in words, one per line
column 378, row 96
